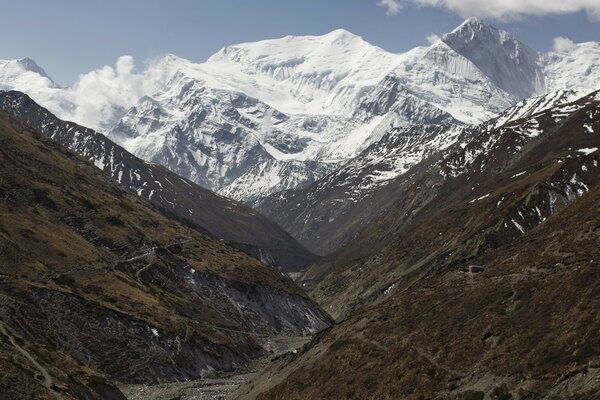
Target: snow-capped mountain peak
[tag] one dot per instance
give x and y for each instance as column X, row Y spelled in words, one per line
column 507, row 62
column 291, row 50
column 281, row 113
column 471, row 25
column 323, row 74
column 24, row 72
column 474, row 29
column 170, row 62
column 29, row 64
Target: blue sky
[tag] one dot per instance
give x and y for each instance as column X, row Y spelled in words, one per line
column 69, row 37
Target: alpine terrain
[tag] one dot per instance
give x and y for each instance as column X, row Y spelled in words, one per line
column 98, row 287
column 258, row 118
column 309, row 217
column 480, row 280
column 179, row 198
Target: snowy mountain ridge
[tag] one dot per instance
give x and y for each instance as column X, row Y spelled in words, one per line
column 262, row 117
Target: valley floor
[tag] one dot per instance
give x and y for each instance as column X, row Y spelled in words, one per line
column 218, row 387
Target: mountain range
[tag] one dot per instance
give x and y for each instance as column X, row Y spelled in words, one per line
column 330, row 213
column 259, row 118
column 478, row 281
column 437, row 211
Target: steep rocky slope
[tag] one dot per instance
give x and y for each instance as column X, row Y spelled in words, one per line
column 331, row 212
column 177, row 197
column 95, row 284
column 504, row 182
column 334, row 210
column 525, row 328
column 480, row 281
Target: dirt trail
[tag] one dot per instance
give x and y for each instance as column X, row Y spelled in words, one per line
column 47, row 379
column 214, row 388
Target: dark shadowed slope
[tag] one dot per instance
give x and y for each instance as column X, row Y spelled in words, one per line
column 95, row 284
column 175, row 196
column 481, row 281
column 525, row 328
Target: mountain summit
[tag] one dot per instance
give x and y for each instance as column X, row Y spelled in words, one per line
column 24, row 72
column 30, row 65
column 323, row 74
column 508, row 63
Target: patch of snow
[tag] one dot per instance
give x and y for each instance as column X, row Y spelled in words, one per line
column 588, row 128
column 389, row 289
column 587, row 151
column 479, row 198
column 518, row 226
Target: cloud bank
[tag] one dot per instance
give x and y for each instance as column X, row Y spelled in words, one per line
column 562, row 44
column 432, row 38
column 101, row 95
column 502, row 10
column 393, row 6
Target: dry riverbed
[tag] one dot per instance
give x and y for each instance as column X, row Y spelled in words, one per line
column 220, row 387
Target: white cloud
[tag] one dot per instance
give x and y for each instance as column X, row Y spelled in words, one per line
column 506, row 9
column 101, row 95
column 393, row 6
column 563, row 44
column 432, row 38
